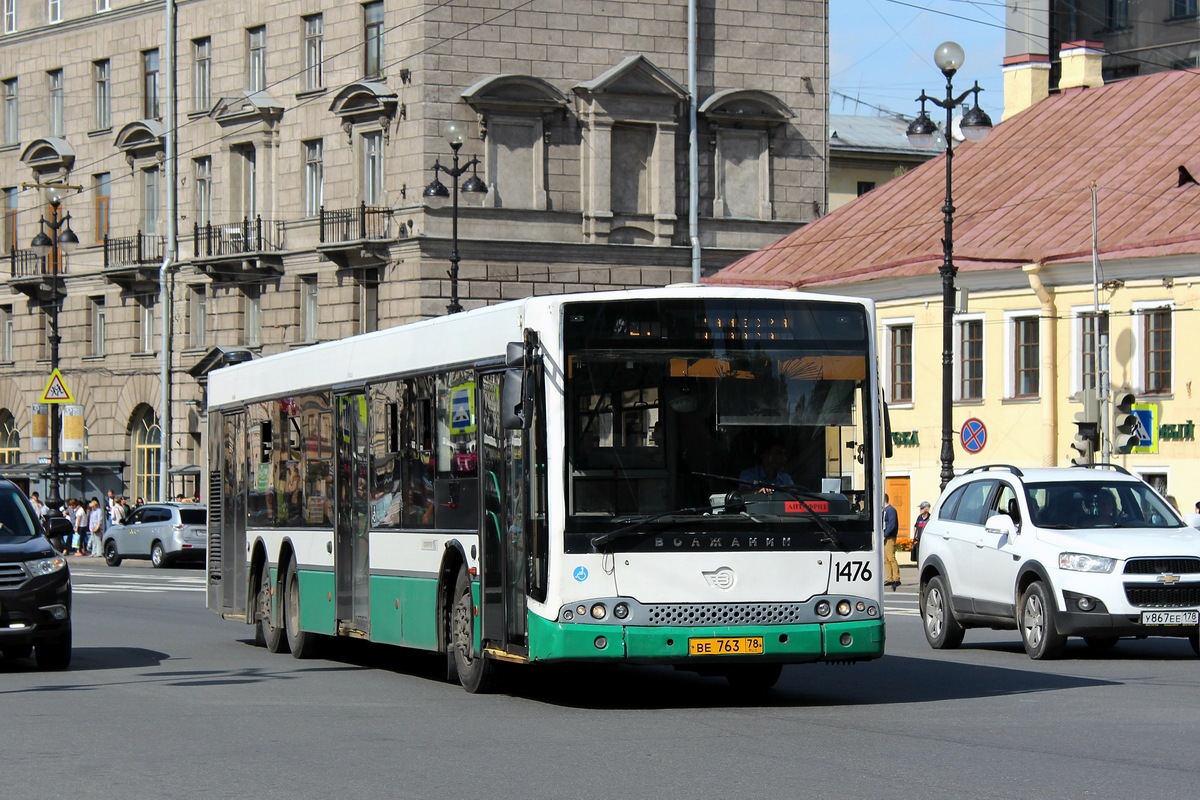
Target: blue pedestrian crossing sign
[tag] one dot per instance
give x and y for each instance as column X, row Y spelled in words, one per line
column 462, row 408
column 1146, row 429
column 56, row 390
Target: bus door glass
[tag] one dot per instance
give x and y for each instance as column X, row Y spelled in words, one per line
column 351, row 557
column 502, row 529
column 227, row 502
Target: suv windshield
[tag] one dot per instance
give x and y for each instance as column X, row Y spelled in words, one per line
column 672, row 405
column 16, row 521
column 1100, row 504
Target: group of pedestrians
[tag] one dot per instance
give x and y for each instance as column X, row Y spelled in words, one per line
column 89, row 520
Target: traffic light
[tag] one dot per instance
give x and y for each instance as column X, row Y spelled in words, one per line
column 1127, row 427
column 1087, row 431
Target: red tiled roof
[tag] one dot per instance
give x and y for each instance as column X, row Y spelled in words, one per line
column 1021, row 196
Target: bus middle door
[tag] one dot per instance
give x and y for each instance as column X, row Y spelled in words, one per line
column 351, row 559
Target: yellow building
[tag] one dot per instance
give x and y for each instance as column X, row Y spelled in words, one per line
column 1026, row 353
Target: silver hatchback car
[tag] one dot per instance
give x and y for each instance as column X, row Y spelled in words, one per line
column 162, row 532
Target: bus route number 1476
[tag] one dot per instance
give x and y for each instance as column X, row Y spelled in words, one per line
column 852, row 571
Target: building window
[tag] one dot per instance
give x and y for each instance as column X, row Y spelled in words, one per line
column 12, row 126
column 256, row 59
column 202, row 189
column 1116, row 14
column 970, row 365
column 145, row 324
column 10, row 16
column 150, row 107
column 1093, row 328
column 10, row 439
column 1157, row 346
column 368, row 307
column 6, row 334
column 864, row 187
column 632, row 154
column 97, row 325
column 102, row 6
column 58, row 105
column 900, row 363
column 146, row 438
column 253, row 315
column 11, row 214
column 314, row 52
column 201, row 74
column 102, row 184
column 372, row 168
column 1182, row 8
column 53, row 11
column 373, row 65
column 198, row 315
column 151, row 194
column 314, row 177
column 44, row 341
column 102, row 94
column 309, row 308
column 1025, row 356
column 245, row 174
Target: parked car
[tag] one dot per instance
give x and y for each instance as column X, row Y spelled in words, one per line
column 165, row 533
column 1058, row 552
column 35, row 586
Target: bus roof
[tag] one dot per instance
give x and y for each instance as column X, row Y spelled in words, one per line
column 478, row 334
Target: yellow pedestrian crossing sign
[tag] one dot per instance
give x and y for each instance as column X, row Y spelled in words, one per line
column 56, row 390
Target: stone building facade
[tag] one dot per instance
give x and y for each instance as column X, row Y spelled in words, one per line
column 307, row 132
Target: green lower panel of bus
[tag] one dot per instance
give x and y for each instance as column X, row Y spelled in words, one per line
column 318, row 604
column 834, row 641
column 404, row 611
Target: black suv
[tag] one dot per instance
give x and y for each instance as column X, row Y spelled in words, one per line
column 35, row 586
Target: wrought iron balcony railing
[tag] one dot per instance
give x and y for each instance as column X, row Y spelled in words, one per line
column 249, row 236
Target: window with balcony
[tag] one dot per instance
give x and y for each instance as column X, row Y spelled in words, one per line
column 202, row 190
column 245, row 179
column 151, row 200
column 314, row 177
column 101, row 94
column 900, row 362
column 201, row 74
column 150, row 106
column 102, row 186
column 373, row 66
column 314, row 52
column 372, row 168
column 256, row 59
column 58, row 103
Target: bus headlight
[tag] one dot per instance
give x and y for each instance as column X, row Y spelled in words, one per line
column 621, row 610
column 822, row 608
column 599, row 611
column 843, row 608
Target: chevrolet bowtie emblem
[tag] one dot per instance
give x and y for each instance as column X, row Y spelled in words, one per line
column 1168, row 578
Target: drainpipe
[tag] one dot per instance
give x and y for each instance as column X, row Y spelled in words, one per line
column 1049, row 377
column 165, row 294
column 693, row 148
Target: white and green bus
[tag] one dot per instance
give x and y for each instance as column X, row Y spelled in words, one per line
column 563, row 478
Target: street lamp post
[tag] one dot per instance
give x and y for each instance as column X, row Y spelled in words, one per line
column 436, row 193
column 51, row 246
column 922, row 132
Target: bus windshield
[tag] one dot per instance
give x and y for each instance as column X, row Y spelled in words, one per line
column 706, row 417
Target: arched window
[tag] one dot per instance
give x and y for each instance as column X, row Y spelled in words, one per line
column 10, row 438
column 146, row 439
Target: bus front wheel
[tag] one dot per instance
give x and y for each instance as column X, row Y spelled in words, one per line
column 475, row 672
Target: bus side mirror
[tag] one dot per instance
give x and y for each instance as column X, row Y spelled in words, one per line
column 513, row 401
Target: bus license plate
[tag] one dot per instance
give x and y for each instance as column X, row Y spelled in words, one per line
column 726, row 646
column 1170, row 617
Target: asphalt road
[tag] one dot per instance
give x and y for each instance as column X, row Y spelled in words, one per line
column 165, row 699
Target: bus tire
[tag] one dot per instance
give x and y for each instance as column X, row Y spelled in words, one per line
column 266, row 634
column 476, row 673
column 302, row 643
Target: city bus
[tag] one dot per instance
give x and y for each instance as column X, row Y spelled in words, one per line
column 573, row 478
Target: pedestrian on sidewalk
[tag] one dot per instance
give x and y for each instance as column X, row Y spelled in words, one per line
column 918, row 527
column 95, row 528
column 891, row 528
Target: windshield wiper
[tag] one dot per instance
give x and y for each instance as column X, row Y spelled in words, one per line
column 634, row 527
column 796, row 493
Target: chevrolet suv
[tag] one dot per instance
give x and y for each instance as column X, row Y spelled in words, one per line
column 35, row 586
column 1093, row 552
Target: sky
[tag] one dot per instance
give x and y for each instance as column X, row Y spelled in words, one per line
column 881, row 52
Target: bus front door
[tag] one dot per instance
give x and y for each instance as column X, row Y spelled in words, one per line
column 503, row 512
column 351, row 560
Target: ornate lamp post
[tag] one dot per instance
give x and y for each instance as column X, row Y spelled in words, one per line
column 922, row 132
column 51, row 246
column 436, row 194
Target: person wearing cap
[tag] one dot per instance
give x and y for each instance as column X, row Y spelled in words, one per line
column 918, row 526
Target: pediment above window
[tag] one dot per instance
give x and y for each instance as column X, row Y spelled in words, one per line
column 246, row 107
column 635, row 75
column 145, row 138
column 365, row 101
column 514, row 94
column 49, row 155
column 748, row 108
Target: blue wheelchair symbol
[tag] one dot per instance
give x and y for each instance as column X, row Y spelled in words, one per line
column 581, row 574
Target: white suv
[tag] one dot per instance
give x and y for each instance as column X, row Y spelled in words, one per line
column 1057, row 552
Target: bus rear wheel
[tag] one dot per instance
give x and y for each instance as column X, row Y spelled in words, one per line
column 475, row 672
column 302, row 643
column 266, row 633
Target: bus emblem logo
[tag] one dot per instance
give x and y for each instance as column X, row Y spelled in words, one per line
column 723, row 578
column 581, row 574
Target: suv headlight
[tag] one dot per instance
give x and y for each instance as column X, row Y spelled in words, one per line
column 45, row 566
column 1082, row 562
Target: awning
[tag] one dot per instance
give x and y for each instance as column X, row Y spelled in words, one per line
column 38, row 468
column 187, row 469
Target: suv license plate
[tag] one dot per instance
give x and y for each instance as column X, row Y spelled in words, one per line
column 726, row 646
column 1170, row 617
